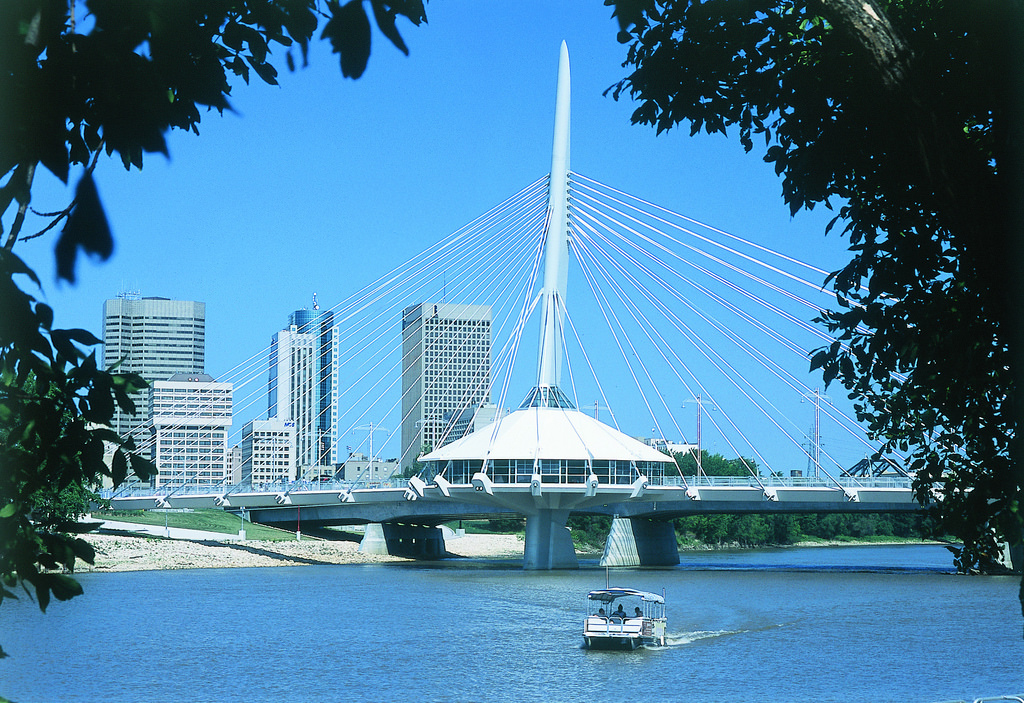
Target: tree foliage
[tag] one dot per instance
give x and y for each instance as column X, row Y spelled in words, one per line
column 784, row 529
column 713, row 464
column 79, row 79
column 905, row 115
column 55, row 408
column 85, row 77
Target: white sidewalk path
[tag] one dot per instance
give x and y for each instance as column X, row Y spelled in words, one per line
column 160, row 531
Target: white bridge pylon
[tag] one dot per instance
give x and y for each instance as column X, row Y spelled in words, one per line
column 549, row 457
column 556, row 241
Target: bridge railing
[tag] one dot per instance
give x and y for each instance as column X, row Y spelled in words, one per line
column 143, row 491
column 146, row 491
column 789, row 482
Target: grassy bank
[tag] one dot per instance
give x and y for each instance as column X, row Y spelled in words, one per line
column 206, row 520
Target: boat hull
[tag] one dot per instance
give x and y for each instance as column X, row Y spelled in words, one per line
column 621, row 644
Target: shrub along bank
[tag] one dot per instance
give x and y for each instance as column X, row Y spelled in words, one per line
column 772, row 530
column 590, row 531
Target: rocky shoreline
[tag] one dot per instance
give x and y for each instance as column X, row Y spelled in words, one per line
column 115, row 552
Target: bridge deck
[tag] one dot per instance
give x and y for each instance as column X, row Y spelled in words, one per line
column 419, row 503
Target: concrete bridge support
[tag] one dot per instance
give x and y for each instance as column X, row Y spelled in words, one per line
column 1012, row 558
column 548, row 541
column 640, row 542
column 413, row 541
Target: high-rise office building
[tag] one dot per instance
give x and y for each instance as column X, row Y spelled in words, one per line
column 155, row 338
column 301, row 386
column 191, row 414
column 446, row 368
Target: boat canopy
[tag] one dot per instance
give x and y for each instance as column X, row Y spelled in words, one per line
column 607, row 595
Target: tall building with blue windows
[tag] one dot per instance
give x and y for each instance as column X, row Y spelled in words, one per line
column 301, row 386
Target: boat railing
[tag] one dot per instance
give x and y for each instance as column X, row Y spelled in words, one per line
column 613, row 625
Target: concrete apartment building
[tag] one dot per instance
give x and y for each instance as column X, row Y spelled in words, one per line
column 361, row 468
column 191, row 415
column 268, row 452
column 446, row 369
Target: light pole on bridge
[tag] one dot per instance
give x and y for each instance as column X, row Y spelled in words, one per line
column 815, row 448
column 700, row 411
column 371, row 428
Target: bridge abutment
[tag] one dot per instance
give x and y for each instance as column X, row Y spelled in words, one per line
column 413, row 541
column 640, row 542
column 548, row 541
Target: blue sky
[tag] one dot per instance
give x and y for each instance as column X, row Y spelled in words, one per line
column 323, row 184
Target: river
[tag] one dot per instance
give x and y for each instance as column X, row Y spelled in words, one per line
column 879, row 623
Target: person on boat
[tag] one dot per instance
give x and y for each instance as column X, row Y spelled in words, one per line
column 620, row 613
column 638, row 613
column 601, row 614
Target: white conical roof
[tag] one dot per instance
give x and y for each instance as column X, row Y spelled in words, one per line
column 547, row 433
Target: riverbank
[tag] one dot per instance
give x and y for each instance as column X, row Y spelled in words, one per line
column 118, row 552
column 702, row 547
column 130, row 546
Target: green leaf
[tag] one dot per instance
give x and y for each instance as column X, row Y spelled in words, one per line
column 87, row 228
column 143, row 468
column 264, row 70
column 44, row 313
column 84, row 551
column 83, row 337
column 101, row 404
column 385, row 16
column 348, row 30
column 64, row 587
column 62, row 343
column 118, row 468
column 9, row 510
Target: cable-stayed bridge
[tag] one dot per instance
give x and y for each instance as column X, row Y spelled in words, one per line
column 615, row 319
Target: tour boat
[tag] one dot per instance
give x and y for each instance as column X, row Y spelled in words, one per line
column 623, row 618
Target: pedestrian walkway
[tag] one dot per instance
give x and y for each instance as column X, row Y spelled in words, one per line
column 135, row 528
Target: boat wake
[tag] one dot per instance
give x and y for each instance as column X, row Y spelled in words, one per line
column 681, row 638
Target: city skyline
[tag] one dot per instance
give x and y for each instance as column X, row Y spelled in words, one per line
column 415, row 149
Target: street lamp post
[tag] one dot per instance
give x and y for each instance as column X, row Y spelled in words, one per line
column 817, row 396
column 371, row 428
column 700, row 411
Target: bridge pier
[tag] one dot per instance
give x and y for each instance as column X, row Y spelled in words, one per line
column 640, row 542
column 413, row 541
column 1012, row 558
column 548, row 541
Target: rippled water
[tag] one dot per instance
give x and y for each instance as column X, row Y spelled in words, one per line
column 849, row 624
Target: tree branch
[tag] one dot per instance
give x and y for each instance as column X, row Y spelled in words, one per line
column 867, row 24
column 23, row 200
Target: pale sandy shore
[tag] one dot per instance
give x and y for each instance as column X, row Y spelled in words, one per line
column 140, row 553
column 123, row 552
